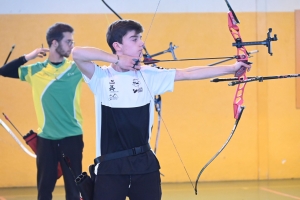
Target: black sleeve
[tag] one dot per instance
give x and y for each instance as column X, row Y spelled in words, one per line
column 11, row 68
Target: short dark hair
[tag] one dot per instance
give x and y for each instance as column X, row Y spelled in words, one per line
column 55, row 32
column 118, row 29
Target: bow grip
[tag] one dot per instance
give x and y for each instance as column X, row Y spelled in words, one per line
column 242, row 70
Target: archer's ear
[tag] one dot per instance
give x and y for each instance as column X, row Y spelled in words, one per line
column 117, row 46
column 54, row 43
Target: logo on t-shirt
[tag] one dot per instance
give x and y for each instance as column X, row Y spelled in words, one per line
column 138, row 90
column 113, row 96
column 112, row 82
column 136, row 83
column 111, row 88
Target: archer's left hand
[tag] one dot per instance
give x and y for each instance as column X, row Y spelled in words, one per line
column 238, row 65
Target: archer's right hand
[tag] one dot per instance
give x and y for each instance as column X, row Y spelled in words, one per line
column 40, row 52
column 129, row 62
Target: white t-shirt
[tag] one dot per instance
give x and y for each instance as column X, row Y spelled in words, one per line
column 124, row 114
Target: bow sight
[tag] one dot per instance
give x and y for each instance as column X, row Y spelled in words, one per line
column 148, row 58
column 238, row 42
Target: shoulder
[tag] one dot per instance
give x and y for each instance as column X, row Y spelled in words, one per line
column 34, row 67
column 30, row 70
column 101, row 69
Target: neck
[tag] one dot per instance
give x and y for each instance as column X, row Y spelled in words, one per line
column 54, row 57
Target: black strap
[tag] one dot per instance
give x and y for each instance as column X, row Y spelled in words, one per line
column 11, row 69
column 121, row 154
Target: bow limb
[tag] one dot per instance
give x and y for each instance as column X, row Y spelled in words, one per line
column 224, row 145
column 16, row 139
column 157, row 102
column 158, row 133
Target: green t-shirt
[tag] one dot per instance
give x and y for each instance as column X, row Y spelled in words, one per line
column 56, row 91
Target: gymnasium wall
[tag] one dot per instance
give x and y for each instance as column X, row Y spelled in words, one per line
column 198, row 114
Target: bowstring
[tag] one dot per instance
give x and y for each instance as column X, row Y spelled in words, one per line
column 172, row 141
column 151, row 23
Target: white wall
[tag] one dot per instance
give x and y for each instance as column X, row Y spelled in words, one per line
column 143, row 6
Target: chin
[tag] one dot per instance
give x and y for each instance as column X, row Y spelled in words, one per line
column 67, row 55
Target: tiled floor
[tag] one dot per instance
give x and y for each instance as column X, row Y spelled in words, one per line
column 239, row 190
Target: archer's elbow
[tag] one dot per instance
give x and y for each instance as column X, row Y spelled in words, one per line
column 76, row 54
column 181, row 75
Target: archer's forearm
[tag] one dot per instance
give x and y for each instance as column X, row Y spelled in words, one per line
column 199, row 73
column 11, row 69
column 88, row 54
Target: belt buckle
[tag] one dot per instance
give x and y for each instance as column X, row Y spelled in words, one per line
column 133, row 151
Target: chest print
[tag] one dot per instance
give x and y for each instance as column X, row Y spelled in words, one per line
column 112, row 90
column 136, row 86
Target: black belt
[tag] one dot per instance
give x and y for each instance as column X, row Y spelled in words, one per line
column 121, row 154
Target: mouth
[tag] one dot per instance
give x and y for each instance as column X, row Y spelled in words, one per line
column 140, row 53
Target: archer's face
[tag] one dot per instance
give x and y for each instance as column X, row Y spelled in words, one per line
column 66, row 45
column 132, row 44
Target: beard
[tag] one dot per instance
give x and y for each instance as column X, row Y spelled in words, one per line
column 62, row 52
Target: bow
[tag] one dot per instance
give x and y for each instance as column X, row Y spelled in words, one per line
column 16, row 139
column 7, row 128
column 242, row 56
